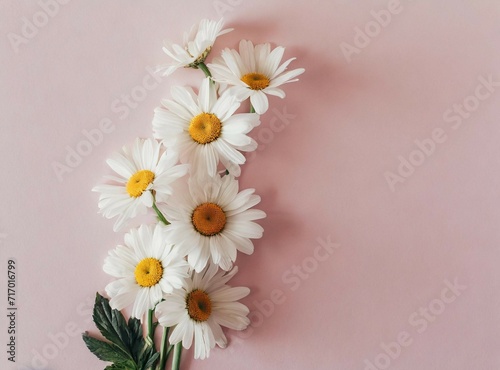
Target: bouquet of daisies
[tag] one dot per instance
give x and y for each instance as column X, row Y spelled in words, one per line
column 175, row 273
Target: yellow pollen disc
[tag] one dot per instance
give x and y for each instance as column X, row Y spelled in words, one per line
column 209, row 219
column 205, row 128
column 256, row 81
column 198, row 305
column 148, row 272
column 139, row 182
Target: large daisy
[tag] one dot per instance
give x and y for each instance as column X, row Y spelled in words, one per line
column 146, row 267
column 204, row 130
column 210, row 219
column 195, row 47
column 200, row 307
column 143, row 173
column 254, row 72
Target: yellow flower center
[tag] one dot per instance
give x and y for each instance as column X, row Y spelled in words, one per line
column 256, row 81
column 209, row 219
column 198, row 305
column 205, row 128
column 139, row 182
column 148, row 272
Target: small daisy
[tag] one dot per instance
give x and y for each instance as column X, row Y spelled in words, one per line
column 203, row 129
column 196, row 46
column 211, row 220
column 147, row 268
column 143, row 173
column 254, row 72
column 200, row 307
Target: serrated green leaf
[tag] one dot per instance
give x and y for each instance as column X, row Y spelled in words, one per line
column 124, row 366
column 104, row 350
column 136, row 336
column 110, row 323
column 127, row 347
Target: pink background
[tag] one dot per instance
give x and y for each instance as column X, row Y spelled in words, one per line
column 321, row 175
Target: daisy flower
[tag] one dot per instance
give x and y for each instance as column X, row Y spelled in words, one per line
column 204, row 130
column 143, row 173
column 147, row 268
column 254, row 72
column 200, row 307
column 196, row 46
column 211, row 220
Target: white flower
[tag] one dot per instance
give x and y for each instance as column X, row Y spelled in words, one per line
column 204, row 130
column 196, row 45
column 200, row 307
column 211, row 220
column 141, row 170
column 254, row 72
column 147, row 267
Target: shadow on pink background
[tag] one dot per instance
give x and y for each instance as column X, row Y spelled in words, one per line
column 381, row 243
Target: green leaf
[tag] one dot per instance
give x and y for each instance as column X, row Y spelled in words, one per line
column 105, row 351
column 126, row 346
column 152, row 360
column 148, row 354
column 124, row 366
column 110, row 323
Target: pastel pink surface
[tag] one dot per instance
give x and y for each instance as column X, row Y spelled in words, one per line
column 321, row 171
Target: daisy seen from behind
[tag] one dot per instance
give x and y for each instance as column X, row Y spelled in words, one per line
column 199, row 309
column 195, row 48
column 204, row 130
column 144, row 173
column 147, row 267
column 211, row 220
column 254, row 72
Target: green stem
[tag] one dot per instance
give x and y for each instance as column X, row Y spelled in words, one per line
column 252, row 109
column 151, row 330
column 176, row 361
column 164, row 350
column 158, row 212
column 205, row 69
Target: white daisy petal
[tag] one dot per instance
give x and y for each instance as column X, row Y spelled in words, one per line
column 275, row 92
column 195, row 128
column 121, row 166
column 282, row 68
column 247, row 55
column 120, row 301
column 141, row 165
column 200, row 307
column 259, row 102
column 273, row 61
column 210, row 220
column 207, row 95
column 253, row 72
column 186, row 98
column 148, row 276
column 286, row 77
column 195, row 47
